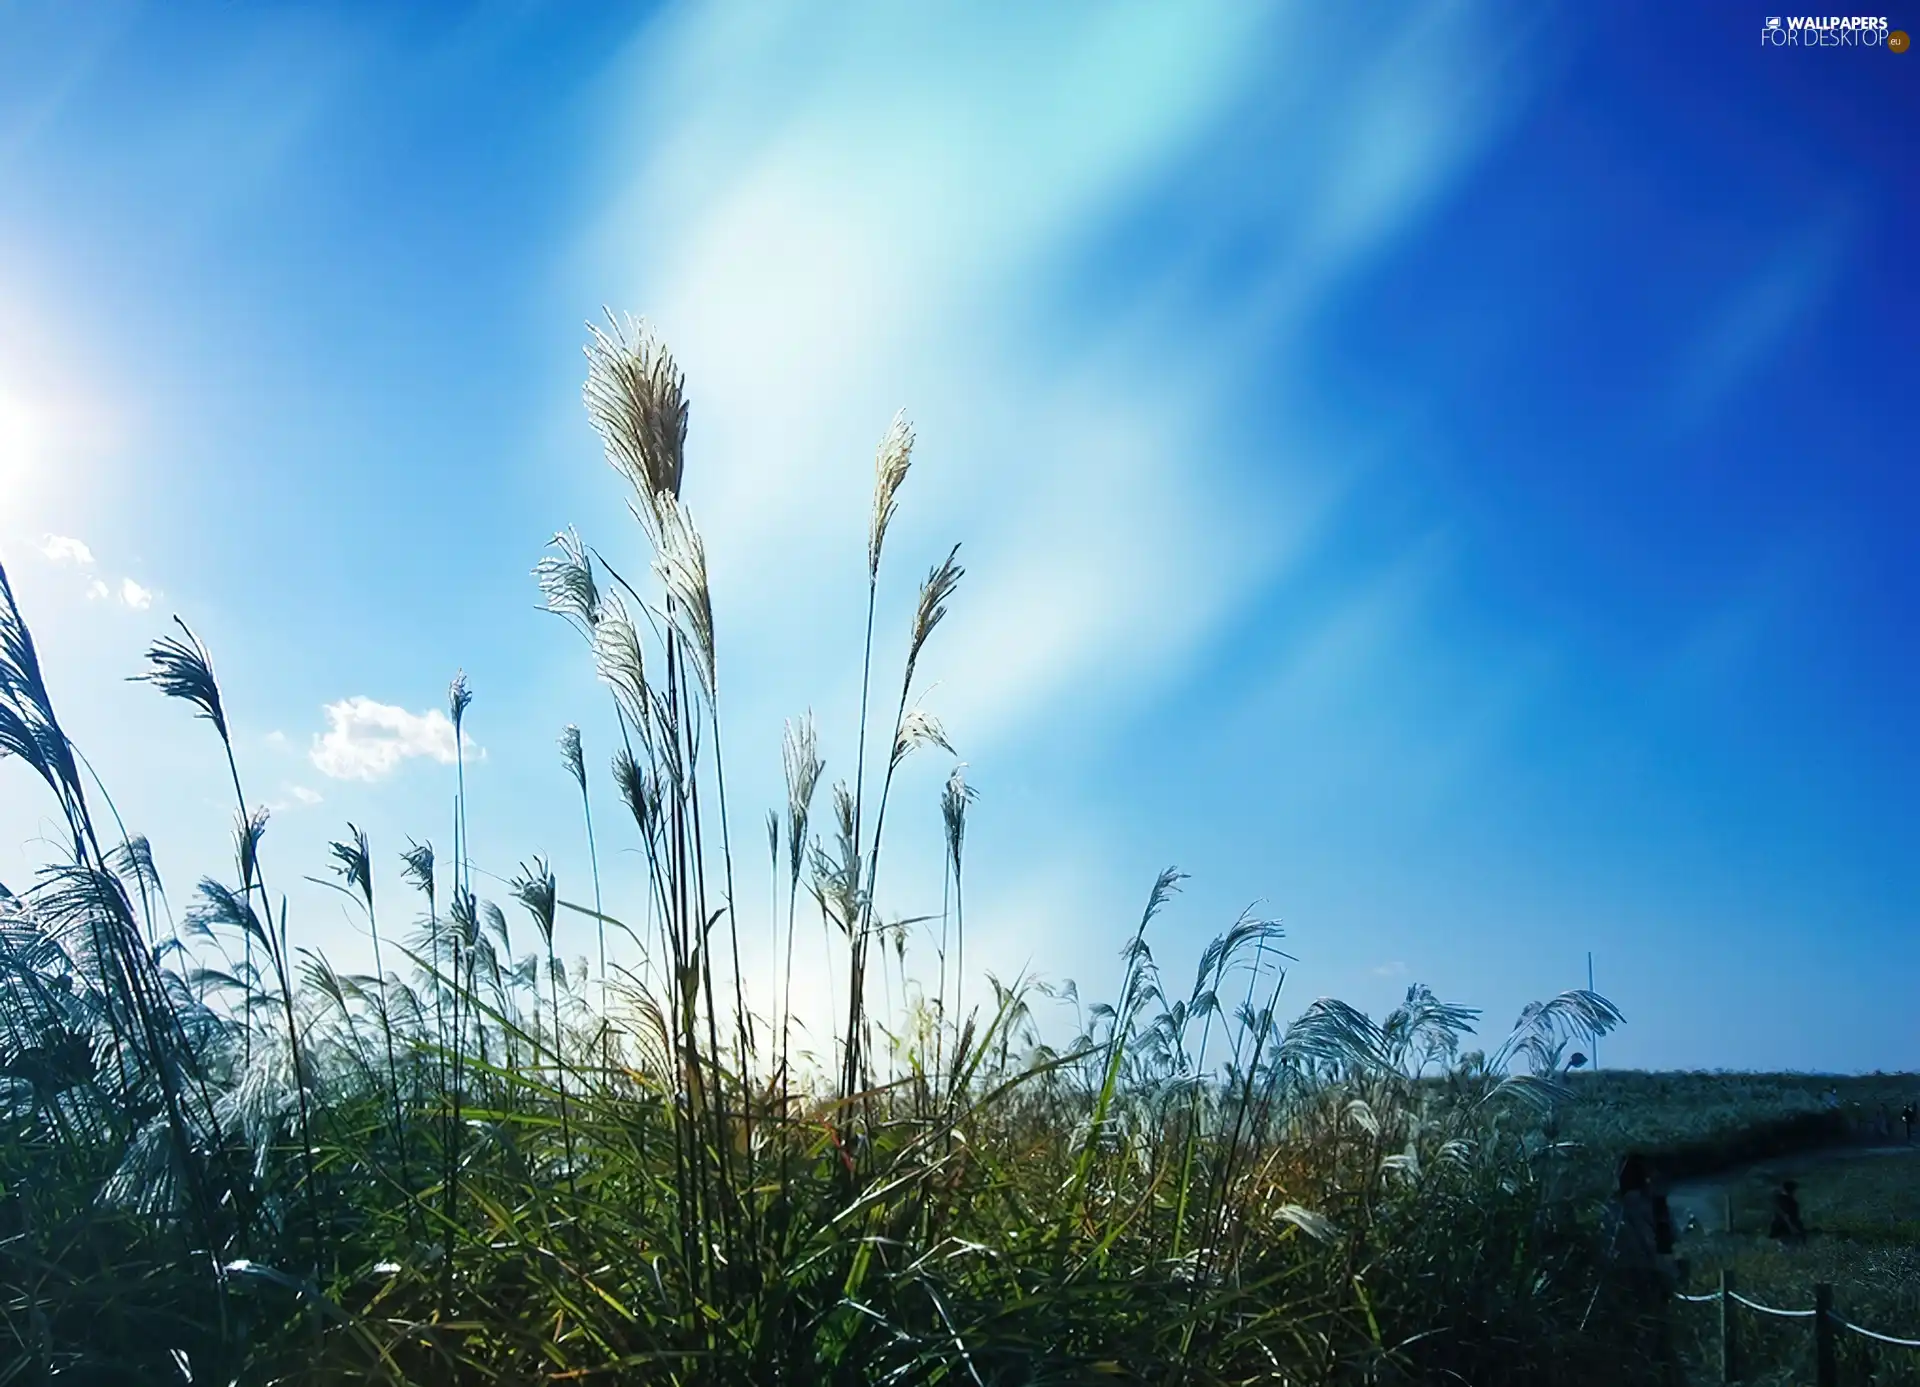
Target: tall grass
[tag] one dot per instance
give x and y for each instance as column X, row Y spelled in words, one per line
column 444, row 1172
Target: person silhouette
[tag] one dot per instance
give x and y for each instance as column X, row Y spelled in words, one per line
column 1907, row 1115
column 1663, row 1237
column 1637, row 1239
column 1639, row 1248
column 1787, row 1226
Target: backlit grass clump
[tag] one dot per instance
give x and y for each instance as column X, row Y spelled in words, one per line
column 223, row 1161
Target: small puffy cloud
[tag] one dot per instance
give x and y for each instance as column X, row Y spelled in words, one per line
column 1396, row 969
column 365, row 740
column 66, row 549
column 294, row 797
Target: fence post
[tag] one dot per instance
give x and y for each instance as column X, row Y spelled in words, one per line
column 1729, row 1346
column 1826, row 1360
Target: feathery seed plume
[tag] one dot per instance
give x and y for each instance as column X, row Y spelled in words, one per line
column 890, row 466
column 636, row 397
column 571, row 756
column 681, row 561
column 618, row 660
column 247, row 832
column 466, row 923
column 459, row 699
column 535, row 890
column 566, row 582
column 419, row 866
column 134, row 858
column 356, row 862
column 917, row 729
column 642, row 798
column 800, row 751
column 953, row 811
column 932, row 606
column 183, row 669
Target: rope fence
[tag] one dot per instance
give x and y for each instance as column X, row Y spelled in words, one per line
column 1826, row 1327
column 1878, row 1337
column 1769, row 1309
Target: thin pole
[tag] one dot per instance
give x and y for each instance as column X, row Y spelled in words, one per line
column 1596, row 1039
column 1729, row 1348
column 1825, row 1357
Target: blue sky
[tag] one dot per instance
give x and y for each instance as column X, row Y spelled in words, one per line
column 1444, row 472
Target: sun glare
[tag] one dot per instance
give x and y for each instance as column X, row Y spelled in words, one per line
column 48, row 443
column 22, row 442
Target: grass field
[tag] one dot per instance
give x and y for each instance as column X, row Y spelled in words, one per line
column 223, row 1161
column 1728, row 1140
column 1862, row 1212
column 1713, row 1113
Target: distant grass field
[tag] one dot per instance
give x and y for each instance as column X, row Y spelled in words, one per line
column 1702, row 1117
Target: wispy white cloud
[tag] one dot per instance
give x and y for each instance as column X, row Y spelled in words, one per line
column 96, row 590
column 840, row 218
column 66, row 549
column 1729, row 641
column 304, row 795
column 134, row 595
column 836, row 223
column 1362, row 631
column 1758, row 315
column 366, row 740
